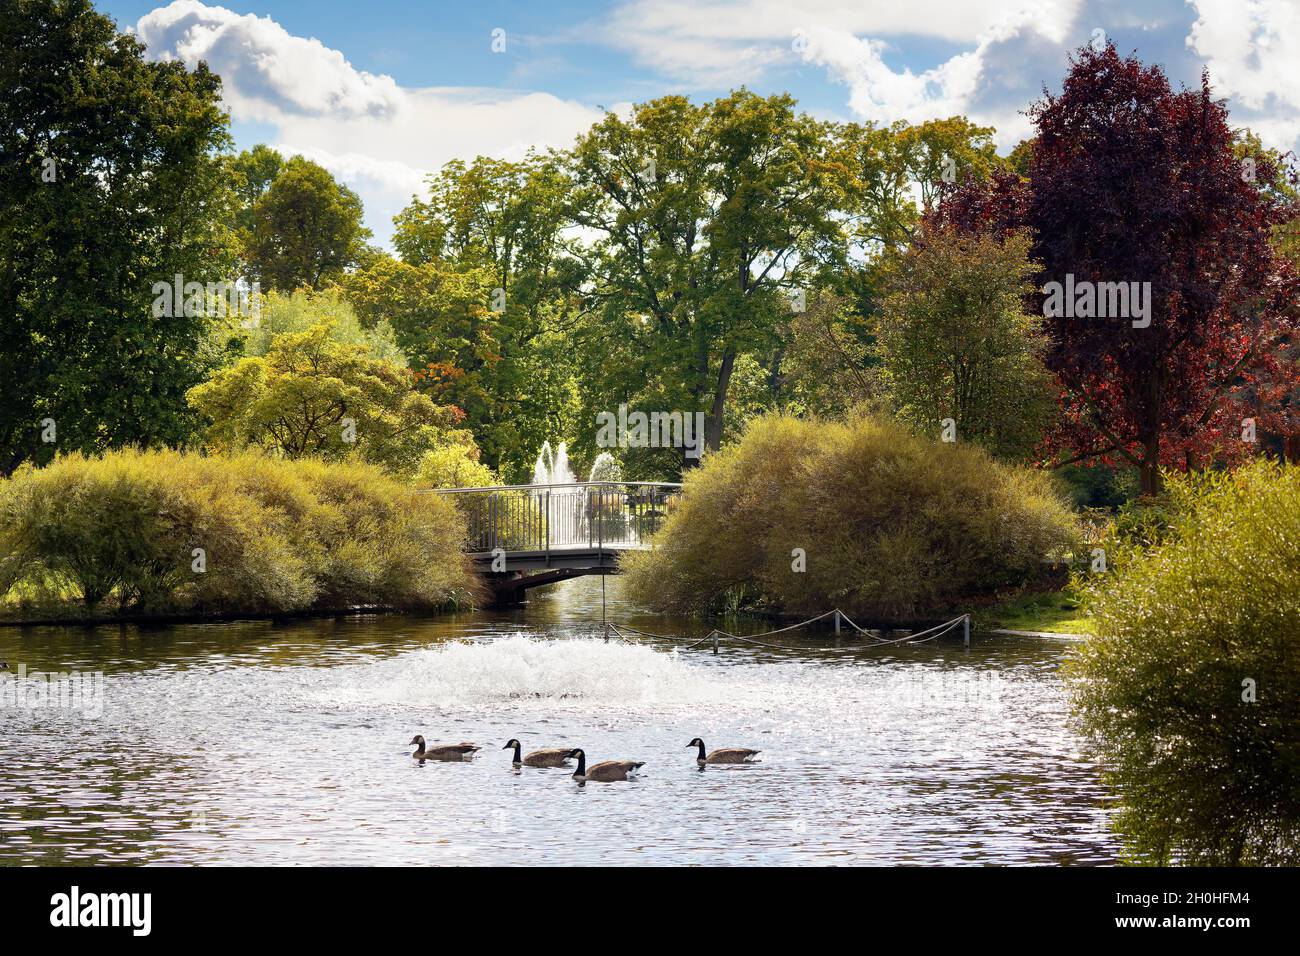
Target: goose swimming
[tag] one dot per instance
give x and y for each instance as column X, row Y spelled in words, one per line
column 606, row 771
column 461, row 751
column 724, row 754
column 551, row 757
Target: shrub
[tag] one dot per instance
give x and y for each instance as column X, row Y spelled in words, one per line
column 276, row 535
column 1191, row 687
column 892, row 525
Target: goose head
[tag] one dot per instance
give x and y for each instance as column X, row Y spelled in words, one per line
column 697, row 742
column 417, row 741
column 577, row 753
column 511, row 744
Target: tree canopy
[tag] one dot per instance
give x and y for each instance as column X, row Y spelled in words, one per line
column 1130, row 181
column 304, row 227
column 312, row 395
column 109, row 182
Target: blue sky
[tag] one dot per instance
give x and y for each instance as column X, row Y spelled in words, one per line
column 382, row 93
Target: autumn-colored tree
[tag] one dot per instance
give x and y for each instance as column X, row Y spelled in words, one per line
column 482, row 297
column 1132, row 182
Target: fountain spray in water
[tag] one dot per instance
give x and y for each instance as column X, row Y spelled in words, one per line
column 552, row 467
column 564, row 510
column 544, row 466
column 562, row 474
column 605, row 468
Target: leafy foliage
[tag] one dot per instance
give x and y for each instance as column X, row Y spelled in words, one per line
column 305, row 228
column 708, row 217
column 891, row 525
column 481, row 300
column 1130, row 181
column 1192, row 686
column 276, row 535
column 454, row 464
column 136, row 197
column 298, row 311
column 954, row 341
column 313, row 395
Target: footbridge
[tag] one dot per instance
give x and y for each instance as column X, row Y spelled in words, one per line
column 524, row 536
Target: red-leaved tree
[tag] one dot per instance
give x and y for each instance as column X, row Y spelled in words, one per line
column 1133, row 182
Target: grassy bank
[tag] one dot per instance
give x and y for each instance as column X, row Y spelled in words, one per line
column 1051, row 612
column 148, row 534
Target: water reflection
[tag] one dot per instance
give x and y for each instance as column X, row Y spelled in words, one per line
column 264, row 743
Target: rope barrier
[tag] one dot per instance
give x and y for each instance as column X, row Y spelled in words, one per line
column 918, row 637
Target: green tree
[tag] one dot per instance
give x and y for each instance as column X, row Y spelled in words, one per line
column 300, row 310
column 955, row 341
column 482, row 300
column 826, row 367
column 454, row 464
column 708, row 218
column 311, row 395
column 306, row 228
column 252, row 173
column 109, row 182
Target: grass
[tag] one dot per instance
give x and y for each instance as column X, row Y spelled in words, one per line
column 1054, row 612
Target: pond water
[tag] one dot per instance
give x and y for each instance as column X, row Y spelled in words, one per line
column 254, row 743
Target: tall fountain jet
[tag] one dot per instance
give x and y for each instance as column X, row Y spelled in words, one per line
column 552, row 467
column 563, row 510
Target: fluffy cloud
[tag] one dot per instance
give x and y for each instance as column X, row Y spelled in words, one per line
column 727, row 42
column 267, row 71
column 1252, row 49
column 379, row 138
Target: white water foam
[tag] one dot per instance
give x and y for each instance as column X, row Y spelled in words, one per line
column 513, row 669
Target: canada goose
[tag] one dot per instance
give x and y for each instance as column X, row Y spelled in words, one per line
column 723, row 755
column 461, row 751
column 604, row 772
column 554, row 757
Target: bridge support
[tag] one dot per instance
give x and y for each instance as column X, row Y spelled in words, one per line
column 508, row 589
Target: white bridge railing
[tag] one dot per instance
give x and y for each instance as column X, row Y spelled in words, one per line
column 593, row 515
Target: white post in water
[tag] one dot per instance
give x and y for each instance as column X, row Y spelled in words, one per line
column 965, row 630
column 837, row 622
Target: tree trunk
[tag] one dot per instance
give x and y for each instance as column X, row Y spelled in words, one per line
column 1150, row 469
column 713, row 438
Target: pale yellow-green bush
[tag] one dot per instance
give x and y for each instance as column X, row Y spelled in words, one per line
column 276, row 535
column 1191, row 686
column 892, row 525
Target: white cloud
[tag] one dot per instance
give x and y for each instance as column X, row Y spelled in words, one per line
column 881, row 94
column 1252, row 49
column 730, row 42
column 266, row 70
column 376, row 136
